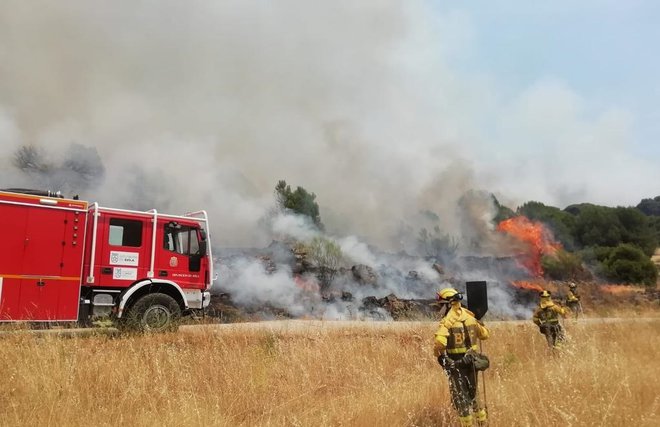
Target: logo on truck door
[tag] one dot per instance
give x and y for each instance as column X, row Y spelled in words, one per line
column 174, row 261
column 124, row 258
column 124, row 273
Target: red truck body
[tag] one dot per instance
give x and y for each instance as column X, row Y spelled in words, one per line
column 70, row 260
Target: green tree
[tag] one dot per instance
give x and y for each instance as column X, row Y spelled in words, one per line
column 636, row 229
column 650, row 207
column 654, row 223
column 299, row 201
column 577, row 208
column 605, row 226
column 627, row 263
column 503, row 212
column 560, row 222
column 597, row 226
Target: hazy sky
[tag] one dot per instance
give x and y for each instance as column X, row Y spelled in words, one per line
column 382, row 108
column 589, row 69
column 604, row 50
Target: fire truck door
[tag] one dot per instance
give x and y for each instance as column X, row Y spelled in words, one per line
column 12, row 251
column 123, row 256
column 180, row 259
column 44, row 291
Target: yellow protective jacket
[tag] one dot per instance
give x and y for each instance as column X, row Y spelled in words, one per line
column 450, row 336
column 572, row 296
column 548, row 313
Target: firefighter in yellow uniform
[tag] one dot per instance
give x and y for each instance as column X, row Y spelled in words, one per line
column 573, row 299
column 546, row 317
column 459, row 330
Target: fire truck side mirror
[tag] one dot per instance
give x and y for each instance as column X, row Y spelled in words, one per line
column 203, row 244
column 202, row 249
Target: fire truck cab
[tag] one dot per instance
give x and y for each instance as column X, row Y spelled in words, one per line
column 70, row 260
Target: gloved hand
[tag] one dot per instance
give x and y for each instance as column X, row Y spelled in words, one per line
column 445, row 361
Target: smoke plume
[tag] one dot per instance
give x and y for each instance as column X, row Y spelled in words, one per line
column 206, row 105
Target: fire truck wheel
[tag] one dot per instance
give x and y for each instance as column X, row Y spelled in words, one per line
column 153, row 313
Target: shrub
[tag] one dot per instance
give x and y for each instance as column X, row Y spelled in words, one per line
column 594, row 255
column 628, row 263
column 324, row 252
column 563, row 266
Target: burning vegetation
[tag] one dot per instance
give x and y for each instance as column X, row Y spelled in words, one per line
column 308, row 271
column 536, row 239
column 305, row 272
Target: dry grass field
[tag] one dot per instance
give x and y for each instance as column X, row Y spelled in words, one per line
column 363, row 375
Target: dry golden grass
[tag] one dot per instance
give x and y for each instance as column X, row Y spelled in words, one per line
column 358, row 376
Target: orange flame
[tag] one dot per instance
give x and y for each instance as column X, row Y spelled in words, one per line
column 535, row 236
column 521, row 284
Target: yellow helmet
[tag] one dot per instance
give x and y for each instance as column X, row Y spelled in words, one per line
column 545, row 294
column 572, row 285
column 449, row 294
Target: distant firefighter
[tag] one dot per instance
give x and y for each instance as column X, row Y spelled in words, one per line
column 456, row 347
column 546, row 317
column 573, row 299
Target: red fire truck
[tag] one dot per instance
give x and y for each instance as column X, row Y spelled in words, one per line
column 70, row 260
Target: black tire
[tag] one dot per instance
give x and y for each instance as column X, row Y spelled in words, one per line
column 153, row 313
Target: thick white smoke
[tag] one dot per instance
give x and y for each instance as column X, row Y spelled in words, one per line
column 207, row 104
column 252, row 286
